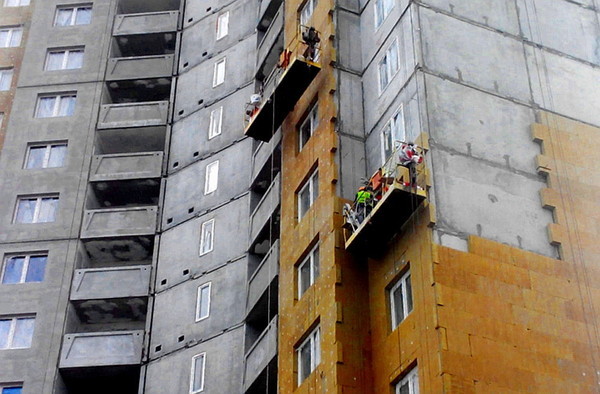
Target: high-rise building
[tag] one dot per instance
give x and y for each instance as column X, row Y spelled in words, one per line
column 178, row 180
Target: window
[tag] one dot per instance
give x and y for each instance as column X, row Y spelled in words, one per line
column 1, row 119
column 16, row 332
column 388, row 66
column 197, row 377
column 308, row 271
column 36, row 209
column 382, row 10
column 6, row 75
column 392, row 134
column 10, row 36
column 222, row 25
column 11, row 389
column 212, row 177
column 71, row 16
column 307, row 11
column 309, row 355
column 203, row 302
column 24, row 269
column 67, row 59
column 401, row 303
column 216, row 118
column 309, row 125
column 219, row 73
column 408, row 384
column 308, row 194
column 55, row 106
column 206, row 237
column 46, row 156
column 16, row 3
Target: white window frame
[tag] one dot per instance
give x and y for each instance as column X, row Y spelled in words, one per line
column 412, row 379
column 66, row 52
column 38, row 207
column 211, row 177
column 20, row 3
column 6, row 73
column 222, row 25
column 25, row 268
column 193, row 372
column 312, row 121
column 203, row 241
column 74, row 11
column 56, row 108
column 216, row 121
column 307, row 11
column 47, row 153
column 13, row 328
column 390, row 73
column 199, row 301
column 311, row 184
column 314, row 341
column 406, row 308
column 219, row 72
column 314, row 265
column 394, row 133
column 11, row 30
column 385, row 11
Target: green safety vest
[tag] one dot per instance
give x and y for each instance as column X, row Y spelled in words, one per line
column 363, row 197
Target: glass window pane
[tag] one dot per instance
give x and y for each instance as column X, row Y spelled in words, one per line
column 305, row 361
column 393, row 58
column 57, row 156
column 198, row 373
column 13, row 269
column 5, row 79
column 55, row 60
column 36, row 157
column 383, row 76
column 204, row 301
column 315, row 187
column 304, row 202
column 404, row 388
column 23, row 333
column 398, row 305
column 212, row 177
column 206, row 242
column 25, row 210
column 409, row 300
column 15, row 40
column 84, row 16
column 316, row 264
column 304, row 277
column 63, row 17
column 4, row 331
column 46, row 107
column 48, row 210
column 36, row 269
column 12, row 390
column 11, row 3
column 67, row 105
column 3, row 38
column 75, row 60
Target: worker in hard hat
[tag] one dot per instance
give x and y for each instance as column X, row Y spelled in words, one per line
column 363, row 203
column 409, row 157
column 311, row 38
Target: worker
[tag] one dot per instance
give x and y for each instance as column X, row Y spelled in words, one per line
column 311, row 38
column 363, row 203
column 409, row 157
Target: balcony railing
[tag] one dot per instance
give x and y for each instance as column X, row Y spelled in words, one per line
column 126, row 166
column 144, row 23
column 261, row 353
column 265, row 208
column 101, row 349
column 115, row 222
column 139, row 67
column 150, row 113
column 263, row 154
column 263, row 276
column 113, row 282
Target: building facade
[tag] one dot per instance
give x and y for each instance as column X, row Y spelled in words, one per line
column 175, row 174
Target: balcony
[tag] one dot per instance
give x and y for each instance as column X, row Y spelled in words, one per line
column 118, row 222
column 126, row 166
column 266, row 159
column 145, row 23
column 282, row 89
column 263, row 276
column 397, row 204
column 266, row 208
column 109, row 295
column 261, row 354
column 100, row 349
column 139, row 67
column 270, row 46
column 267, row 10
column 152, row 113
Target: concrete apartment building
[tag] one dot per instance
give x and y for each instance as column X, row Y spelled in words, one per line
column 161, row 234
